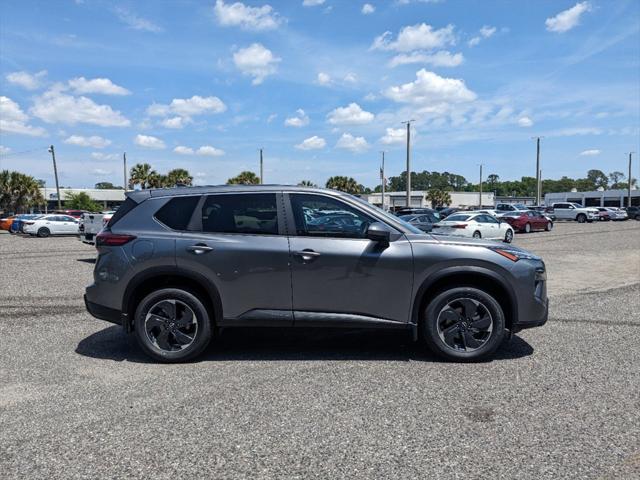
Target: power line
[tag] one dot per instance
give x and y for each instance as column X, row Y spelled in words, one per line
column 11, row 154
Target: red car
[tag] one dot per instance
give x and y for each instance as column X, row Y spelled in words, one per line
column 527, row 221
column 72, row 213
column 603, row 214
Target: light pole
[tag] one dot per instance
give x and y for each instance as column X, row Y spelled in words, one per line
column 261, row 169
column 480, row 195
column 55, row 173
column 382, row 182
column 408, row 122
column 538, row 189
column 629, row 183
column 124, row 167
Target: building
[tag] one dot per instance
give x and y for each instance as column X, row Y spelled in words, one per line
column 108, row 198
column 395, row 200
column 513, row 200
column 598, row 198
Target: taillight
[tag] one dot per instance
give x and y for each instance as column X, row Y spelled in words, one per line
column 460, row 225
column 28, row 223
column 108, row 239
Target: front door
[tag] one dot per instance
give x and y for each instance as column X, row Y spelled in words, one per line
column 237, row 241
column 335, row 269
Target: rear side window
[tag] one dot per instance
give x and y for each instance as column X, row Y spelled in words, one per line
column 125, row 208
column 177, row 212
column 250, row 213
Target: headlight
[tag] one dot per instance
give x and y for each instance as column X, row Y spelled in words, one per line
column 513, row 254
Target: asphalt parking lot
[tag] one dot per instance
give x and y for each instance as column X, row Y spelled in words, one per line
column 78, row 400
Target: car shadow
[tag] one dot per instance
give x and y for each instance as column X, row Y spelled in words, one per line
column 86, row 260
column 290, row 344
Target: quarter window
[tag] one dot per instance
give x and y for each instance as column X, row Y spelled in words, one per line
column 177, row 212
column 319, row 216
column 250, row 213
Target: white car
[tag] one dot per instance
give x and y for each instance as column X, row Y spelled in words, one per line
column 476, row 225
column 52, row 225
column 617, row 213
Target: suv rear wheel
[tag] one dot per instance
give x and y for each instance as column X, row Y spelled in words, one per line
column 172, row 325
column 463, row 324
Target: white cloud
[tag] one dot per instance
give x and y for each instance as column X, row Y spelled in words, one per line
column 105, row 156
column 353, row 144
column 442, row 58
column 323, row 79
column 175, row 122
column 147, row 141
column 575, row 131
column 368, row 9
column 137, row 23
column 351, row 78
column 485, row 32
column 196, row 105
column 350, row 115
column 272, row 117
column 4, row 150
column 26, row 80
column 590, row 153
column 312, row 3
column 525, row 122
column 92, row 141
column 249, row 18
column 56, row 107
column 415, row 37
column 14, row 120
column 312, row 143
column 105, row 86
column 299, row 120
column 209, row 151
column 204, row 151
column 430, row 88
column 101, row 171
column 256, row 61
column 394, row 136
column 567, row 19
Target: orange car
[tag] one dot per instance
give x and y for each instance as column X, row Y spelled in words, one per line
column 5, row 223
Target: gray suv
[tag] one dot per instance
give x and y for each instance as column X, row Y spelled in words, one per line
column 176, row 265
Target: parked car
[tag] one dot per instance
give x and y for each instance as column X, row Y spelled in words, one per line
column 18, row 223
column 574, row 211
column 423, row 222
column 546, row 211
column 417, row 211
column 91, row 224
column 445, row 212
column 51, row 225
column 510, row 207
column 5, row 223
column 475, row 225
column 72, row 213
column 603, row 214
column 174, row 265
column 617, row 213
column 528, row 221
column 633, row 212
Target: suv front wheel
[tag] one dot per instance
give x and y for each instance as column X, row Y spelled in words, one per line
column 172, row 325
column 463, row 324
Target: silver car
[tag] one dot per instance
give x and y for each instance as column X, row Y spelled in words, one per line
column 176, row 265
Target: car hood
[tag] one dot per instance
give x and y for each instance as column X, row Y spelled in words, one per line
column 463, row 241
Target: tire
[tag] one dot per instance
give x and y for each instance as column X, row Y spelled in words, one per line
column 527, row 228
column 163, row 336
column 43, row 232
column 477, row 234
column 549, row 226
column 581, row 218
column 447, row 331
column 508, row 237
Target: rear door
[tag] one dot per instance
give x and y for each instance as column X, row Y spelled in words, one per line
column 562, row 211
column 238, row 242
column 339, row 275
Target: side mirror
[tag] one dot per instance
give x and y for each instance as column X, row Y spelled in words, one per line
column 378, row 232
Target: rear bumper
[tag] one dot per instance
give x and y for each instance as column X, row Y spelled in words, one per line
column 103, row 313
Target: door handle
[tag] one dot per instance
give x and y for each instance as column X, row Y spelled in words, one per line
column 199, row 249
column 307, row 255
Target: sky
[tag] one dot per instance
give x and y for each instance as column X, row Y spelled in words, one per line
column 322, row 86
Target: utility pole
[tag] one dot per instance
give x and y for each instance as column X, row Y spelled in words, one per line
column 480, row 195
column 540, row 186
column 408, row 122
column 55, row 173
column 538, row 189
column 629, row 184
column 382, row 182
column 261, row 169
column 124, row 159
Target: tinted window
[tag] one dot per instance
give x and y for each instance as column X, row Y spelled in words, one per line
column 177, row 212
column 255, row 213
column 125, row 208
column 320, row 216
column 458, row 218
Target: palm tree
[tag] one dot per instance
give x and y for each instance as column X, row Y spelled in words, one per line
column 140, row 174
column 438, row 197
column 157, row 180
column 307, row 183
column 18, row 191
column 344, row 184
column 244, row 178
column 179, row 176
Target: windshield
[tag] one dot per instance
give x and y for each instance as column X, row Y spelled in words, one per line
column 457, row 218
